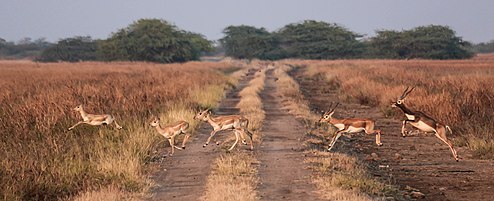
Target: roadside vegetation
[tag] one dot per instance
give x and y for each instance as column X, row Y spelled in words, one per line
column 41, row 160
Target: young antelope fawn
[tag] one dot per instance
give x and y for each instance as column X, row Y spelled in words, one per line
column 94, row 119
column 237, row 123
column 353, row 125
column 171, row 131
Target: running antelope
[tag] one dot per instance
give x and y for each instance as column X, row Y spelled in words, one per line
column 237, row 123
column 423, row 122
column 353, row 125
column 94, row 119
column 171, row 131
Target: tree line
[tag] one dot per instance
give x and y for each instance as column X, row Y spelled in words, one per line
column 320, row 40
column 157, row 40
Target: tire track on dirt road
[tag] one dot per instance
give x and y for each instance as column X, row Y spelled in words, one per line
column 183, row 176
column 282, row 172
column 422, row 162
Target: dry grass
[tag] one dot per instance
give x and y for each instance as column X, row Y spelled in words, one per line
column 458, row 93
column 41, row 160
column 337, row 176
column 233, row 176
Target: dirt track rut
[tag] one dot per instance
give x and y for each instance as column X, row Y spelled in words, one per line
column 282, row 172
column 183, row 176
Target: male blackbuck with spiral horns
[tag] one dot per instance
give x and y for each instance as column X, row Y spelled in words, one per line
column 353, row 125
column 171, row 131
column 237, row 123
column 423, row 122
column 94, row 119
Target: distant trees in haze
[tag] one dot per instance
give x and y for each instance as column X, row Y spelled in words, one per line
column 320, row 40
column 157, row 40
column 79, row 48
column 484, row 47
column 151, row 40
column 24, row 48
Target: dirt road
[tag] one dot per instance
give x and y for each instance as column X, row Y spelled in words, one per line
column 422, row 161
column 183, row 176
column 282, row 172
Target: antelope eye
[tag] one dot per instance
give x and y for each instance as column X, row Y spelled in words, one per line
column 399, row 101
column 327, row 116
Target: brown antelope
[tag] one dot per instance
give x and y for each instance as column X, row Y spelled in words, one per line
column 423, row 122
column 237, row 123
column 171, row 131
column 94, row 119
column 353, row 125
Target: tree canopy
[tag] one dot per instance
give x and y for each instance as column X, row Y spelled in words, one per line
column 319, row 40
column 249, row 42
column 79, row 48
column 427, row 42
column 154, row 40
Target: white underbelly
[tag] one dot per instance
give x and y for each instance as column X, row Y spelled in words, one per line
column 339, row 126
column 422, row 126
column 352, row 129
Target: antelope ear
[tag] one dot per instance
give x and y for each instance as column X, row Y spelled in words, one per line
column 331, row 114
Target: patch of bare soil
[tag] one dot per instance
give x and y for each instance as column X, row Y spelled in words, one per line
column 282, row 172
column 415, row 163
column 183, row 176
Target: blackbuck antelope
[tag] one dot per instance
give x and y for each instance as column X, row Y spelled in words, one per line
column 423, row 122
column 171, row 131
column 237, row 123
column 351, row 125
column 94, row 119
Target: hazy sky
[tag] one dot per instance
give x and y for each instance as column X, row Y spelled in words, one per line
column 56, row 19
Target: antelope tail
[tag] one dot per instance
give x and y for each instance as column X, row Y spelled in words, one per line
column 450, row 131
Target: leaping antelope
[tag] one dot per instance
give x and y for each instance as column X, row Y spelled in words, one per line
column 237, row 123
column 94, row 119
column 172, row 130
column 423, row 122
column 352, row 125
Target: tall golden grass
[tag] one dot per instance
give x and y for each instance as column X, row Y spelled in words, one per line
column 458, row 93
column 337, row 176
column 233, row 176
column 40, row 160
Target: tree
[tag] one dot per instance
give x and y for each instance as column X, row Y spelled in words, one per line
column 319, row 40
column 484, row 47
column 250, row 42
column 79, row 48
column 428, row 42
column 153, row 40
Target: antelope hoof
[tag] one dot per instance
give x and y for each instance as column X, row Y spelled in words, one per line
column 183, row 147
column 380, row 144
column 70, row 129
column 244, row 142
column 204, row 146
column 218, row 143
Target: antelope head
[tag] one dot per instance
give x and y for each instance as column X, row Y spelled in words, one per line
column 326, row 117
column 203, row 115
column 155, row 122
column 78, row 108
column 401, row 99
